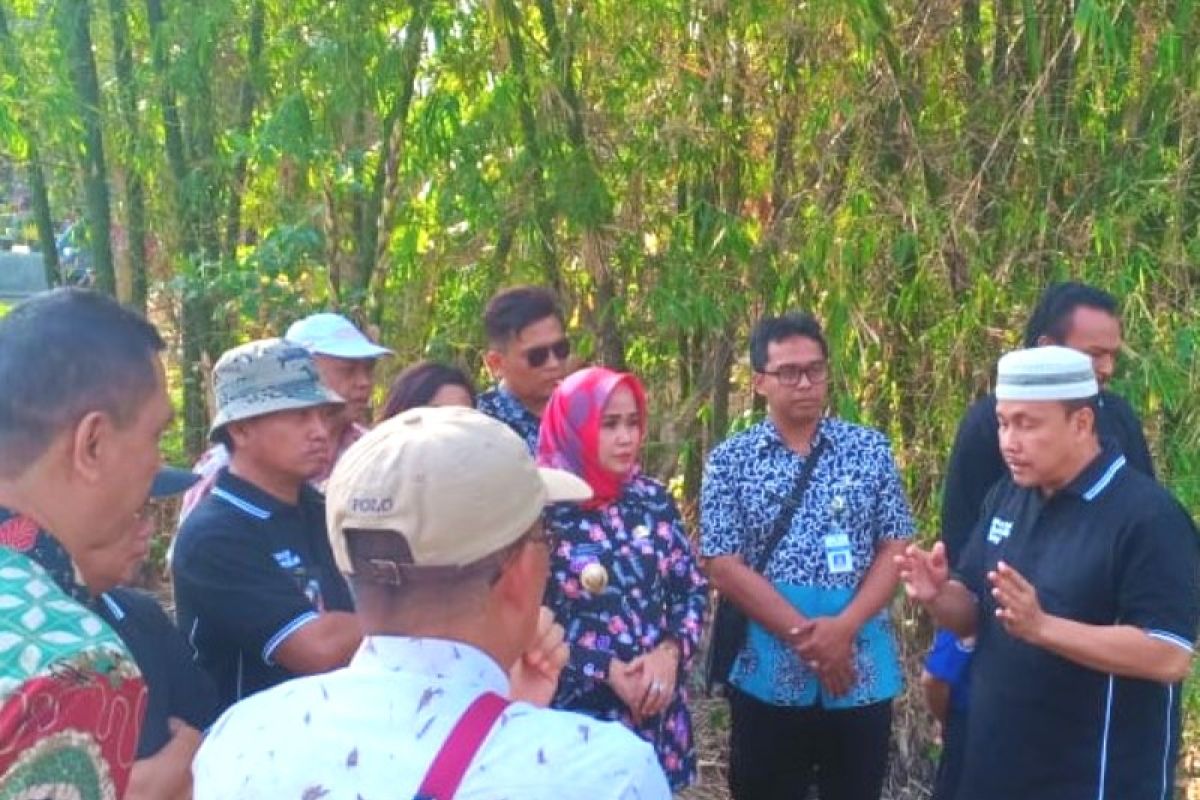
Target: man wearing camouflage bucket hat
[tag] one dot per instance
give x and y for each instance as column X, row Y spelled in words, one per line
column 257, row 590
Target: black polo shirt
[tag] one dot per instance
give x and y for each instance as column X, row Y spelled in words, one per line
column 976, row 464
column 176, row 686
column 1113, row 548
column 249, row 571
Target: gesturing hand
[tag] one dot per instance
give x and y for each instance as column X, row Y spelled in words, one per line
column 924, row 572
column 1019, row 609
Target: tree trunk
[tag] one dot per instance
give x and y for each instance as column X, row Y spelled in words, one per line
column 75, row 27
column 254, row 48
column 194, row 321
column 368, row 234
column 596, row 243
column 783, row 169
column 733, row 193
column 135, row 195
column 10, row 59
column 1002, row 16
column 543, row 210
column 41, row 213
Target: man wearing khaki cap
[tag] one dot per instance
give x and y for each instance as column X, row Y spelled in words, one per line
column 258, row 593
column 436, row 518
column 1080, row 585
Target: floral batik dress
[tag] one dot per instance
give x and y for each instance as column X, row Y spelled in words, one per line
column 652, row 591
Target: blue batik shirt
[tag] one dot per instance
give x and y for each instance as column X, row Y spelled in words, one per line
column 854, row 502
column 499, row 403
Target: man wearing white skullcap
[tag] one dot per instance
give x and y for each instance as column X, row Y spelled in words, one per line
column 1080, row 583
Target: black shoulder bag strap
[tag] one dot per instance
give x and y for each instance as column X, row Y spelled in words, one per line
column 730, row 623
column 791, row 505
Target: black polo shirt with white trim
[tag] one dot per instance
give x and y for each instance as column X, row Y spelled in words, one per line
column 1112, row 548
column 249, row 571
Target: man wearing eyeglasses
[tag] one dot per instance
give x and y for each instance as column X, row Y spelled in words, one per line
column 527, row 354
column 811, row 690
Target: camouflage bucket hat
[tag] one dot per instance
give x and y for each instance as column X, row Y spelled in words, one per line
column 263, row 377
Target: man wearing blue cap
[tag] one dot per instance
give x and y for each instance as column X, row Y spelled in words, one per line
column 1080, row 584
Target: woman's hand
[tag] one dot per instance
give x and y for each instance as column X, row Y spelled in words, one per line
column 661, row 666
column 631, row 684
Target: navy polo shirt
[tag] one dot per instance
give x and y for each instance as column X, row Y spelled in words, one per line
column 1112, row 548
column 176, row 686
column 249, row 571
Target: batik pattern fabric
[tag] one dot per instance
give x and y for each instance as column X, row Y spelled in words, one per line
column 654, row 593
column 71, row 696
column 499, row 404
column 856, row 495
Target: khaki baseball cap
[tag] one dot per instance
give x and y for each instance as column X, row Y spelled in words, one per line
column 453, row 484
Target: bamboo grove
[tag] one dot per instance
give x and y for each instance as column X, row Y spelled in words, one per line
column 913, row 172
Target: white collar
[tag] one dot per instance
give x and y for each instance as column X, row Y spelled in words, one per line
column 447, row 661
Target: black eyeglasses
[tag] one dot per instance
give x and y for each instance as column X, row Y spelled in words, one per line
column 537, row 356
column 790, row 374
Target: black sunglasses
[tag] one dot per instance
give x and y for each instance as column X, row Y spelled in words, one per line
column 538, row 356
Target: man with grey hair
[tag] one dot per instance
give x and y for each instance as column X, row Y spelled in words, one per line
column 257, row 591
column 83, row 403
column 1080, row 584
column 436, row 518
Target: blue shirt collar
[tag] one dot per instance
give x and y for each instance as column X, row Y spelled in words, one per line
column 1099, row 474
column 253, row 501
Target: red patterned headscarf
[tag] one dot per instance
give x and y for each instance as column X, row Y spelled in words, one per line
column 570, row 434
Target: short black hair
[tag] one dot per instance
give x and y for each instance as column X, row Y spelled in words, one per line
column 417, row 385
column 223, row 437
column 64, row 354
column 511, row 311
column 776, row 329
column 1052, row 315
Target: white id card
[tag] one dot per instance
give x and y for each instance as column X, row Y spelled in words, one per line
column 838, row 556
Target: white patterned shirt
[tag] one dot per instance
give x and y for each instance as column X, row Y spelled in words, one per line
column 371, row 730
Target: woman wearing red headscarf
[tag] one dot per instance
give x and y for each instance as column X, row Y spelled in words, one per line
column 623, row 579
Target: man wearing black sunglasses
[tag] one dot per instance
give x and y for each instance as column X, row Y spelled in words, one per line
column 527, row 354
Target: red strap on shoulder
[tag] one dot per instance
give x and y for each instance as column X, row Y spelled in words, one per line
column 451, row 763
